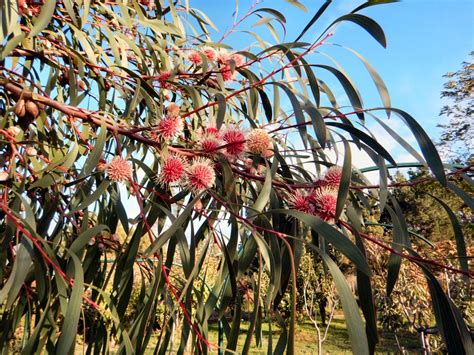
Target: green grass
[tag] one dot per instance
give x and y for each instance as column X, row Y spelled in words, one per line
column 337, row 341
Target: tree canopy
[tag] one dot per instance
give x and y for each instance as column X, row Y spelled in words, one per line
column 153, row 178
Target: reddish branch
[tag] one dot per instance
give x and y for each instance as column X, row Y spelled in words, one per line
column 406, row 256
column 349, row 227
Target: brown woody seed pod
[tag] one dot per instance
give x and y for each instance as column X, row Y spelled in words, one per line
column 20, row 109
column 32, row 108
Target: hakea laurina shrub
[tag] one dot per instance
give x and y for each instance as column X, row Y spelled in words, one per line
column 136, row 148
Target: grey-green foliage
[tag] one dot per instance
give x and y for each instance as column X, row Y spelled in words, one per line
column 95, row 99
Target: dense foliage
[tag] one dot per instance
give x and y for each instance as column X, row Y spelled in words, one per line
column 154, row 179
column 457, row 139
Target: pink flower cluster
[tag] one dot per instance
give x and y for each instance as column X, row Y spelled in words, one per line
column 197, row 176
column 222, row 57
column 320, row 201
column 233, row 142
column 169, row 127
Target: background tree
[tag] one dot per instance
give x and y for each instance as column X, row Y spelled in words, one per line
column 457, row 137
column 127, row 116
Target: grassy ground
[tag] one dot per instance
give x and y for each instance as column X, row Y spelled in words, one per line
column 337, row 341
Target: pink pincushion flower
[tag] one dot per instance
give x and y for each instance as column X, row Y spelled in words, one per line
column 325, row 200
column 223, row 56
column 210, row 143
column 164, row 75
column 333, row 176
column 302, row 201
column 212, row 130
column 172, row 170
column 268, row 153
column 173, row 110
column 238, row 59
column 195, row 57
column 227, row 73
column 234, row 139
column 210, row 53
column 170, row 127
column 200, row 175
column 258, row 141
column 119, row 169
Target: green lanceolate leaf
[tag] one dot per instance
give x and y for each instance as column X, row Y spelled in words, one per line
column 452, row 327
column 221, row 108
column 97, row 152
column 366, row 301
column 372, row 3
column 355, row 325
column 351, row 92
column 333, row 236
column 314, row 19
column 299, row 115
column 20, row 270
column 394, row 260
column 177, row 224
column 427, row 147
column 372, row 27
column 71, row 318
column 372, row 143
column 343, row 190
column 44, row 18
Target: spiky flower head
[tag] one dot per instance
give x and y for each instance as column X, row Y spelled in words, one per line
column 119, row 169
column 234, row 139
column 227, row 72
column 209, row 143
column 223, row 56
column 302, row 201
column 170, row 127
column 210, row 53
column 268, row 153
column 333, row 176
column 173, row 110
column 325, row 201
column 195, row 57
column 163, row 78
column 200, row 175
column 173, row 168
column 238, row 59
column 258, row 141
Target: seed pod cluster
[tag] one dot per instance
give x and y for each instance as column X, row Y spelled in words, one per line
column 27, row 111
column 20, row 108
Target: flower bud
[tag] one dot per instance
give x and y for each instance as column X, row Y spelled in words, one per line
column 31, row 152
column 13, row 131
column 82, row 85
column 101, row 165
column 4, row 176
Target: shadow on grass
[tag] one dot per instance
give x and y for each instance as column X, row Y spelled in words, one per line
column 337, row 340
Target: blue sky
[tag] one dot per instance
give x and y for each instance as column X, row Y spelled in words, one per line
column 426, row 39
